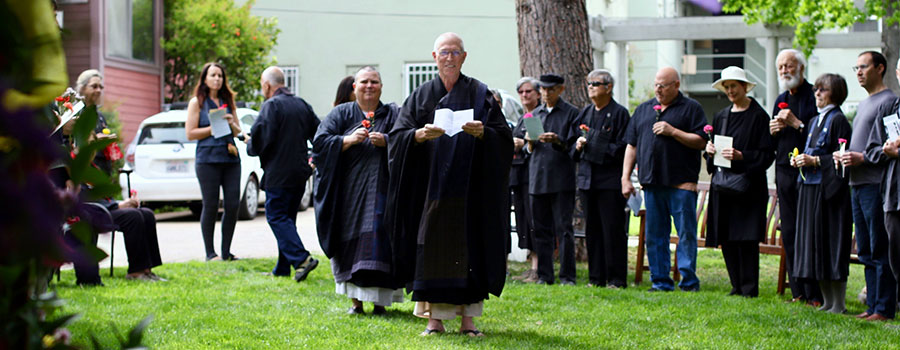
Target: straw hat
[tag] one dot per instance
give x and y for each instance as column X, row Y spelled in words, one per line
column 733, row 73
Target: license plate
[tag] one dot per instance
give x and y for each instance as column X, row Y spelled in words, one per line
column 176, row 166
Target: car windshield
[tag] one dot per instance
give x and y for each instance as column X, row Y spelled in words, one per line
column 155, row 134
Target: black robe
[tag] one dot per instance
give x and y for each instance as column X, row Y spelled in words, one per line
column 350, row 196
column 741, row 217
column 448, row 200
column 824, row 218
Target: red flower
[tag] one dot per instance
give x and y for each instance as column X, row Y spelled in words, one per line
column 584, row 127
column 72, row 220
column 254, row 37
column 133, row 193
column 67, row 98
column 366, row 124
column 224, row 105
column 782, row 105
column 237, row 32
column 213, row 25
column 60, row 99
column 68, row 105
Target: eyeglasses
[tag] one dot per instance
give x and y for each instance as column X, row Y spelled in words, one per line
column 663, row 86
column 526, row 91
column 455, row 53
column 817, row 89
column 597, row 83
column 862, row 66
column 96, row 86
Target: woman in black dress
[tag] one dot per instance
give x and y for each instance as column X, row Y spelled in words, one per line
column 737, row 219
column 824, row 218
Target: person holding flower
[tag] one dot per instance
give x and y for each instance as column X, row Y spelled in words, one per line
column 666, row 142
column 350, row 150
column 527, row 88
column 824, row 219
column 736, row 220
column 90, row 86
column 599, row 152
column 217, row 162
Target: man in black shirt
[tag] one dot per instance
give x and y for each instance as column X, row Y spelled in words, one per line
column 551, row 181
column 279, row 138
column 788, row 128
column 665, row 136
column 600, row 152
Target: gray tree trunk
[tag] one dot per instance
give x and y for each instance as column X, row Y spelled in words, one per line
column 890, row 45
column 553, row 38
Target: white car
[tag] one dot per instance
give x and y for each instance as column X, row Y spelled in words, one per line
column 162, row 160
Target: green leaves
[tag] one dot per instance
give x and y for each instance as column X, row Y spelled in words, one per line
column 202, row 31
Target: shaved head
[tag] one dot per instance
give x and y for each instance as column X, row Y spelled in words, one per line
column 668, row 74
column 666, row 85
column 448, row 37
column 274, row 76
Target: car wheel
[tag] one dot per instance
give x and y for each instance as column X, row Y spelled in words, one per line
column 306, row 201
column 249, row 201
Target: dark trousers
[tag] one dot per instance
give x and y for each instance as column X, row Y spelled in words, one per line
column 524, row 226
column 281, row 214
column 872, row 249
column 552, row 217
column 742, row 263
column 605, row 235
column 788, row 192
column 86, row 269
column 138, row 225
column 892, row 224
column 212, row 176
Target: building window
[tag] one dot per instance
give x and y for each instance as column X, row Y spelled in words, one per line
column 291, row 78
column 414, row 74
column 130, row 29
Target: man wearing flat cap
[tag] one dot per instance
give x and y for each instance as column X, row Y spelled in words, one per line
column 551, row 181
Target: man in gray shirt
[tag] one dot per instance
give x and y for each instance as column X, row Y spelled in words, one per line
column 865, row 179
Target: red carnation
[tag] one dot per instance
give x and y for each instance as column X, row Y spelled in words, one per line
column 782, row 105
column 584, row 129
column 68, row 105
column 366, row 124
column 60, row 99
column 842, row 140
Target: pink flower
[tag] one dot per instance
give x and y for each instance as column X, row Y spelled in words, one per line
column 708, row 129
column 527, row 115
column 657, row 108
column 842, row 141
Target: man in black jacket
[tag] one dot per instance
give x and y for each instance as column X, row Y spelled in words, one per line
column 279, row 138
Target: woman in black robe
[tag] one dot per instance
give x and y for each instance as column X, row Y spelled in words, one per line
column 350, row 149
column 824, row 218
column 737, row 219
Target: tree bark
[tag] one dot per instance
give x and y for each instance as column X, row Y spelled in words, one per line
column 890, row 45
column 553, row 38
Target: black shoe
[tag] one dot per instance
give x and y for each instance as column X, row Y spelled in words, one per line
column 379, row 310
column 304, row 269
column 690, row 289
column 543, row 282
column 654, row 289
column 230, row 257
column 567, row 283
column 356, row 310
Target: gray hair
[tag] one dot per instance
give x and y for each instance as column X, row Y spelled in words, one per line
column 447, row 36
column 526, row 80
column 602, row 73
column 274, row 76
column 85, row 77
column 366, row 69
column 801, row 60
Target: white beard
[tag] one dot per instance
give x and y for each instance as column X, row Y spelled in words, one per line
column 788, row 82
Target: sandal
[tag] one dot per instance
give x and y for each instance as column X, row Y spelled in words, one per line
column 471, row 332
column 428, row 332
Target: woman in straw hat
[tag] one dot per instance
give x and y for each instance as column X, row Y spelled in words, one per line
column 739, row 194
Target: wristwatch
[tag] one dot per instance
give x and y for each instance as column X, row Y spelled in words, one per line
column 801, row 126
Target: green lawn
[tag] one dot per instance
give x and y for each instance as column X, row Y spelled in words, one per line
column 234, row 306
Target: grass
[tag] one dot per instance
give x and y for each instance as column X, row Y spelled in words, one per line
column 233, row 305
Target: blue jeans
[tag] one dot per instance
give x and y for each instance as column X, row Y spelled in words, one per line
column 872, row 243
column 664, row 204
column 282, row 205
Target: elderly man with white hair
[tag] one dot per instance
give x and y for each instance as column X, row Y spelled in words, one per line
column 792, row 110
column 279, row 137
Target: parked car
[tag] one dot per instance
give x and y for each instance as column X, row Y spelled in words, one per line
column 162, row 160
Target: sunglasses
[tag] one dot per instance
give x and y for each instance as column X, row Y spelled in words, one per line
column 597, row 83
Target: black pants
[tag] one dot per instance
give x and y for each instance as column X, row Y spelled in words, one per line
column 87, row 271
column 138, row 225
column 524, row 226
column 605, row 235
column 552, row 213
column 892, row 224
column 742, row 263
column 788, row 192
column 211, row 177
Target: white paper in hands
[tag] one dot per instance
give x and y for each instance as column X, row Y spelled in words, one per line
column 534, row 128
column 452, row 122
column 721, row 143
column 892, row 126
column 68, row 115
column 218, row 123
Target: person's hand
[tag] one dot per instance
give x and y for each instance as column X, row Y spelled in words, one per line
column 474, row 128
column 132, row 202
column 102, row 136
column 548, row 137
column 627, row 187
column 579, row 144
column 663, row 128
column 788, row 118
column 890, row 148
column 519, row 143
column 359, row 135
column 231, row 120
column 775, row 126
column 732, row 154
column 247, row 138
column 710, row 148
column 848, row 158
column 428, row 132
column 377, row 139
column 803, row 160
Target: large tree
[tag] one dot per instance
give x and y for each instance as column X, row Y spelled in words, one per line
column 810, row 17
column 200, row 31
column 553, row 38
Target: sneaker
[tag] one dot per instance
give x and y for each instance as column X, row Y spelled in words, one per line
column 155, row 277
column 690, row 289
column 304, row 269
column 141, row 277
